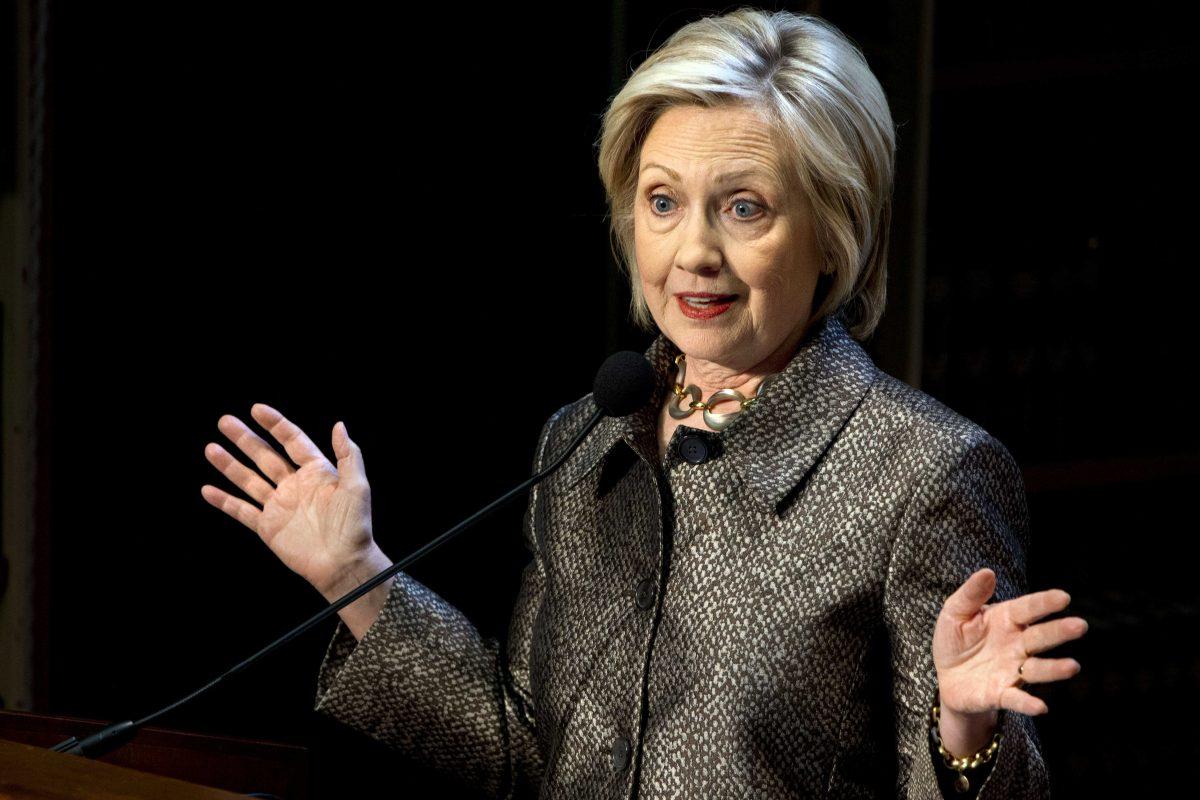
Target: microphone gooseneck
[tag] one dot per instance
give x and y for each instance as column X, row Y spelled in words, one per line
column 624, row 383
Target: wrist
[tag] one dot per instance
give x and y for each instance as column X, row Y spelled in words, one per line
column 964, row 734
column 356, row 571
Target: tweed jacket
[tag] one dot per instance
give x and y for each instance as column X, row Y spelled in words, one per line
column 750, row 616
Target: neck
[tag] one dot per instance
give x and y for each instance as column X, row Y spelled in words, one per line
column 710, row 376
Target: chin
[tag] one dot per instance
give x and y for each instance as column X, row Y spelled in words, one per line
column 696, row 338
column 707, row 345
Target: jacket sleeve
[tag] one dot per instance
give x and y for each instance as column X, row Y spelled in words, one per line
column 422, row 680
column 965, row 513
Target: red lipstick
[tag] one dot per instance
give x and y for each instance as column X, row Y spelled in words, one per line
column 707, row 305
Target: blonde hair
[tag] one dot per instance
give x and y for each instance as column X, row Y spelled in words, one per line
column 830, row 119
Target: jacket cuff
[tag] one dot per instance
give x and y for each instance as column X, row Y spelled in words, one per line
column 1018, row 770
column 352, row 681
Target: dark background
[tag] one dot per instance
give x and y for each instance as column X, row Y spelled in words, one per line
column 394, row 218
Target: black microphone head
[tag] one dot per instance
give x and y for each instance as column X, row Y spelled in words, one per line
column 624, row 383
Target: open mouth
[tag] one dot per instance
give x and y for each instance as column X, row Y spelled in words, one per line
column 705, row 302
column 705, row 307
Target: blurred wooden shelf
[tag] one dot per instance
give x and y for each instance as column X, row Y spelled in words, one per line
column 35, row 773
column 225, row 762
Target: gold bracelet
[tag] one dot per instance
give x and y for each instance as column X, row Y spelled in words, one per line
column 961, row 784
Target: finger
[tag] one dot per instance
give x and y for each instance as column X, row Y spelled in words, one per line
column 352, row 472
column 1045, row 635
column 1031, row 607
column 242, row 476
column 1045, row 670
column 235, row 507
column 295, row 441
column 268, row 460
column 1022, row 702
column 970, row 597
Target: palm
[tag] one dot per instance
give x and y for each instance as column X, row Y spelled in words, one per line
column 315, row 516
column 293, row 520
column 978, row 648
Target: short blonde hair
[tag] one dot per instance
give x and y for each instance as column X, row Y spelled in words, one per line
column 829, row 116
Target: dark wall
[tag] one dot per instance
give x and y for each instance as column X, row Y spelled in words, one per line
column 1059, row 314
column 394, row 218
column 388, row 217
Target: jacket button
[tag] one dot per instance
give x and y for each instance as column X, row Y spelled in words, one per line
column 645, row 593
column 621, row 750
column 693, row 449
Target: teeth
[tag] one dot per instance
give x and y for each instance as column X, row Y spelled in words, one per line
column 692, row 301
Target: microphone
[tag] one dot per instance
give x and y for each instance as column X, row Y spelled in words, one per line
column 623, row 384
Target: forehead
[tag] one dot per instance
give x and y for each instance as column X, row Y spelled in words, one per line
column 694, row 138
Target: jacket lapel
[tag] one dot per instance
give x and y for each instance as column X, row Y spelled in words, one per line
column 776, row 442
column 639, row 430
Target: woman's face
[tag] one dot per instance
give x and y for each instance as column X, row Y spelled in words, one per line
column 713, row 216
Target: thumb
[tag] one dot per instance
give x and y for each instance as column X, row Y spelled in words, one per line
column 970, row 597
column 352, row 473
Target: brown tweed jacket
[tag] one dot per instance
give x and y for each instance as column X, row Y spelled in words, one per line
column 750, row 617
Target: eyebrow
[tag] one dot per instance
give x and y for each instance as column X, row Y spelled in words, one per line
column 728, row 176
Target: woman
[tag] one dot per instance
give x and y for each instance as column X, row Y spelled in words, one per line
column 760, row 584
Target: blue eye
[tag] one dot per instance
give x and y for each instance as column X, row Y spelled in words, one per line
column 744, row 202
column 656, row 197
column 660, row 210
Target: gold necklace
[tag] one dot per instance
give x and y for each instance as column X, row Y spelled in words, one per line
column 712, row 419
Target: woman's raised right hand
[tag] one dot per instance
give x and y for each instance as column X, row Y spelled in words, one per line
column 314, row 516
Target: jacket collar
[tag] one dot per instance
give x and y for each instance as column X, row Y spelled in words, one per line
column 773, row 444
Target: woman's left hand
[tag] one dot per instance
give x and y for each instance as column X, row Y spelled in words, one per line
column 984, row 652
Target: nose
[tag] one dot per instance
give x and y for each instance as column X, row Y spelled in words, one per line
column 700, row 249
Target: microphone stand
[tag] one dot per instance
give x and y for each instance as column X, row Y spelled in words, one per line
column 116, row 734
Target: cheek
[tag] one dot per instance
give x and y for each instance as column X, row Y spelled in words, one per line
column 653, row 290
column 653, row 264
column 775, row 291
column 769, row 282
